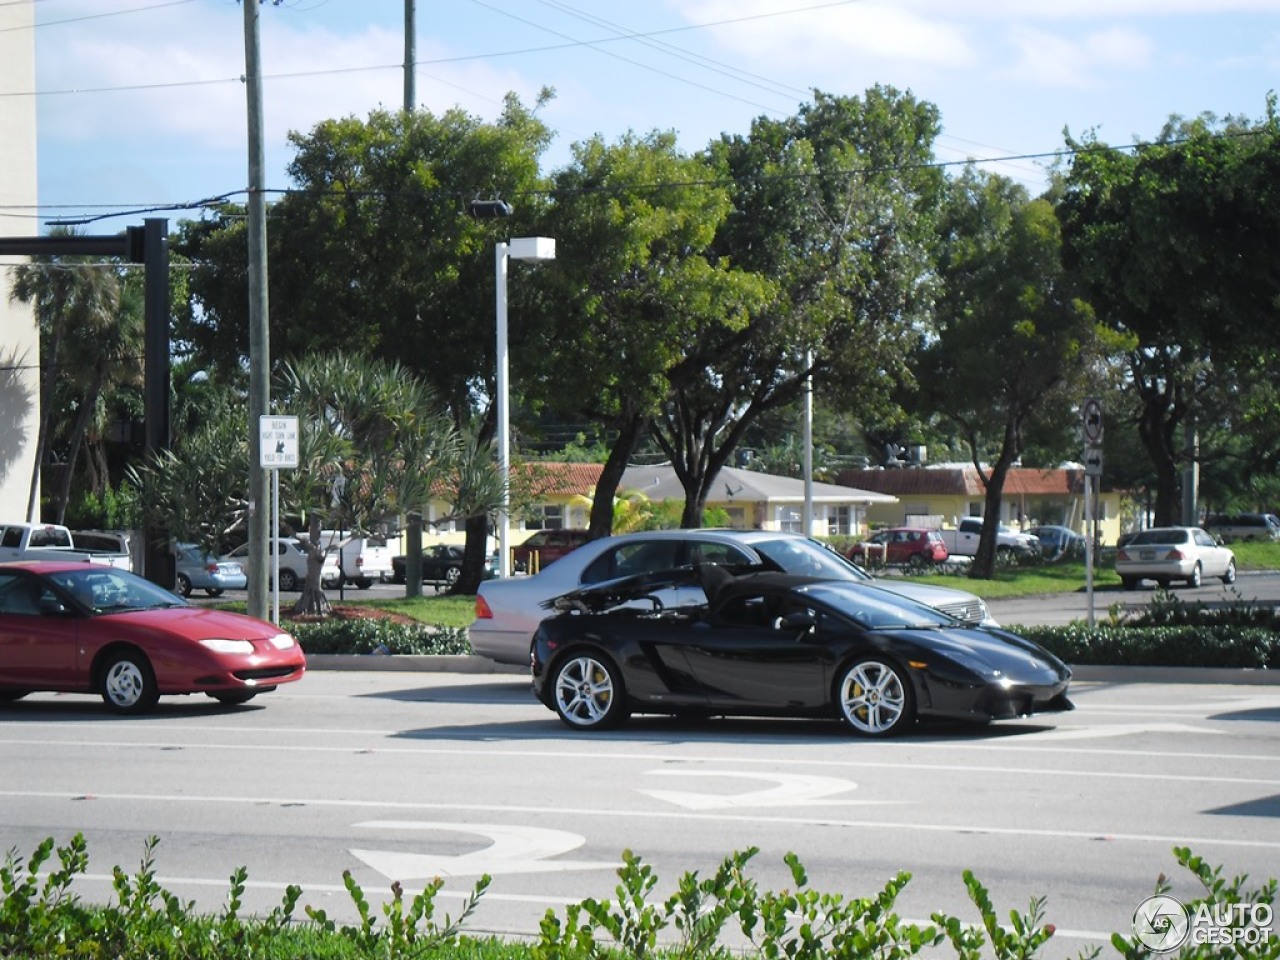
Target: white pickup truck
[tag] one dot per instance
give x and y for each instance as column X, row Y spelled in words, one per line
column 963, row 541
column 51, row 541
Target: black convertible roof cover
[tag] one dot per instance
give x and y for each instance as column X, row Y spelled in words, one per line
column 717, row 583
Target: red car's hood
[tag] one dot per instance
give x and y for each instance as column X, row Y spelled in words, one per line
column 197, row 623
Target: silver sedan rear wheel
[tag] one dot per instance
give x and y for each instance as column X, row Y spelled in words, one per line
column 588, row 692
column 876, row 699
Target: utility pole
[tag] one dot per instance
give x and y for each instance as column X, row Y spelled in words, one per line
column 410, row 54
column 259, row 347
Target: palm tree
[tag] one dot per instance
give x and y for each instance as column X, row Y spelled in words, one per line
column 76, row 305
column 374, row 425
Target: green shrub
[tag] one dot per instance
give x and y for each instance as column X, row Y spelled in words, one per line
column 369, row 635
column 44, row 919
column 1169, row 646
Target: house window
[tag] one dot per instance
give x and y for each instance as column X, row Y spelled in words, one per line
column 549, row 516
column 790, row 520
column 737, row 517
column 839, row 521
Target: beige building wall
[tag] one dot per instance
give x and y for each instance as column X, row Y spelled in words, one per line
column 19, row 343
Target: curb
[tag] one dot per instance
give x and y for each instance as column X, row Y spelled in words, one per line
column 473, row 664
column 1208, row 675
column 432, row 663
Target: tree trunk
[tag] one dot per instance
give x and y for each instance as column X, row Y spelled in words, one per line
column 984, row 561
column 312, row 601
column 629, row 434
column 83, row 416
column 473, row 555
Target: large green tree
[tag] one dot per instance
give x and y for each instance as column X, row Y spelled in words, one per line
column 635, row 291
column 834, row 206
column 374, row 250
column 1013, row 345
column 1177, row 243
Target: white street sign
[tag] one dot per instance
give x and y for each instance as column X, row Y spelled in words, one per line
column 278, row 442
column 1092, row 416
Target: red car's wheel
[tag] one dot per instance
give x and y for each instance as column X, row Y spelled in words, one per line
column 128, row 684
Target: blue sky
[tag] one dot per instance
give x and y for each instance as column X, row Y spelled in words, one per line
column 140, row 102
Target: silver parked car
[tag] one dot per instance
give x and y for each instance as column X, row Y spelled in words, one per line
column 293, row 562
column 509, row 610
column 198, row 570
column 1165, row 554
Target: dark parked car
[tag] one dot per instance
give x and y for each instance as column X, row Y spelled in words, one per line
column 781, row 645
column 1058, row 542
column 441, row 563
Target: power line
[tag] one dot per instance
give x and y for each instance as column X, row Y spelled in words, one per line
column 1049, row 155
column 93, row 16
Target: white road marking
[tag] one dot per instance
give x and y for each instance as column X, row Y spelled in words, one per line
column 713, row 817
column 1098, row 731
column 513, row 849
column 788, row 790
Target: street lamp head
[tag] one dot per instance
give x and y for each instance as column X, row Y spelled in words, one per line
column 489, row 209
column 532, row 248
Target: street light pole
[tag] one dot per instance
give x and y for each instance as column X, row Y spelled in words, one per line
column 521, row 248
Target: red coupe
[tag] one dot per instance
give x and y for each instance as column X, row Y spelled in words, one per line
column 77, row 627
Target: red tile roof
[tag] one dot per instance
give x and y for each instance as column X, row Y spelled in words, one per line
column 964, row 481
column 546, row 477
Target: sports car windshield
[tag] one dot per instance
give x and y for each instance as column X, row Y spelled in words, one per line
column 108, row 590
column 807, row 558
column 877, row 609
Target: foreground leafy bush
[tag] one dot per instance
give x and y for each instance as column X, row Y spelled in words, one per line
column 43, row 919
column 378, row 636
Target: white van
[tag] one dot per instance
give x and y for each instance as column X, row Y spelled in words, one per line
column 363, row 561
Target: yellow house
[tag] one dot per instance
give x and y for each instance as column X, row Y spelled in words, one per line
column 941, row 495
column 559, row 497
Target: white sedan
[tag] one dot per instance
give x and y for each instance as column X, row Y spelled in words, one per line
column 1165, row 554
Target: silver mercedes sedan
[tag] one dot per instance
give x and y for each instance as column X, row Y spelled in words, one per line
column 509, row 610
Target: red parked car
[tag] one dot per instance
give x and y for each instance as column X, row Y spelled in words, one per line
column 76, row 627
column 901, row 546
column 544, row 547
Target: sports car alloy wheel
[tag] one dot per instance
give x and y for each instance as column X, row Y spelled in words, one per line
column 128, row 685
column 875, row 699
column 589, row 693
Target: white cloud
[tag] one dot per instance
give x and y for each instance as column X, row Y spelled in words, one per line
column 834, row 38
column 1053, row 59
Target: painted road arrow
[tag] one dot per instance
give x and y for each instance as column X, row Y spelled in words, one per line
column 788, row 790
column 512, row 849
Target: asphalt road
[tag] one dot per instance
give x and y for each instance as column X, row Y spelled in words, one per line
column 413, row 775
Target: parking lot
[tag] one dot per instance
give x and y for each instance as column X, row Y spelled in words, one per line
column 413, row 775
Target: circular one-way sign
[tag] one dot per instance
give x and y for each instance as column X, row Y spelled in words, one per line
column 1092, row 415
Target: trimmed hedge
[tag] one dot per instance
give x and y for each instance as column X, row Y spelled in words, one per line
column 379, row 636
column 1170, row 646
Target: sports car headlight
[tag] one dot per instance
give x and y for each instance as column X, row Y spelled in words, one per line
column 282, row 641
column 218, row 645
